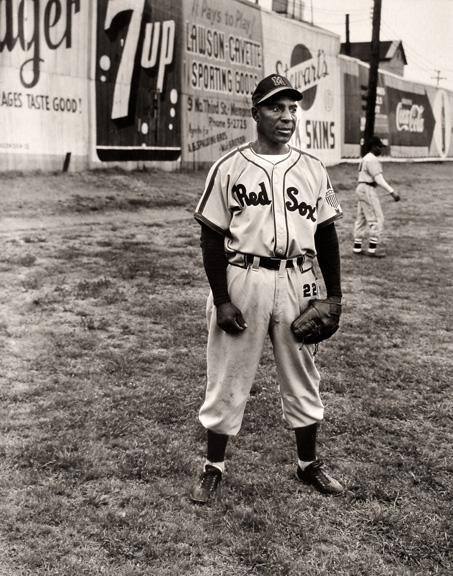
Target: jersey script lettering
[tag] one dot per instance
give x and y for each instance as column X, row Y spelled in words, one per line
column 251, row 198
column 304, row 208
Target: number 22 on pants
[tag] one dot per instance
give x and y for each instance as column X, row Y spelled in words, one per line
column 310, row 290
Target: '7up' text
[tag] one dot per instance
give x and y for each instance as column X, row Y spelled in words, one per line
column 157, row 50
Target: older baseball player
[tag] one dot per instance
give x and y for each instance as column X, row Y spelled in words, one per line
column 370, row 218
column 266, row 211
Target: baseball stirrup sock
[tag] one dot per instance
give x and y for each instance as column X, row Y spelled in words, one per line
column 306, row 442
column 216, row 446
column 372, row 245
column 219, row 465
column 304, row 464
column 357, row 245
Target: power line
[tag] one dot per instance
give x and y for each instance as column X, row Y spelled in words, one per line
column 341, row 21
column 357, row 11
column 423, row 62
column 409, row 45
column 409, row 48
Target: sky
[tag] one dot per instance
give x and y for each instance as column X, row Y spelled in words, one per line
column 424, row 26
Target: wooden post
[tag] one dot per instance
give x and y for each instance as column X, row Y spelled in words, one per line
column 348, row 42
column 67, row 161
column 373, row 75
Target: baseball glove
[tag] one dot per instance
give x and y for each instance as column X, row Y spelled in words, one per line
column 319, row 321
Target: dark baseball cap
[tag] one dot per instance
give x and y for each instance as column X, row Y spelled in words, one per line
column 272, row 85
column 375, row 141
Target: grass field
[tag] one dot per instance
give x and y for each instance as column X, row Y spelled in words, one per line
column 102, row 350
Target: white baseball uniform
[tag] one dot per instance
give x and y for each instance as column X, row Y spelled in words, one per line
column 370, row 217
column 265, row 210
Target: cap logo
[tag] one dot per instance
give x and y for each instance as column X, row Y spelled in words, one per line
column 278, row 81
column 270, row 86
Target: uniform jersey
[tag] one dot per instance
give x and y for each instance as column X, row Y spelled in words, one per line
column 369, row 168
column 268, row 209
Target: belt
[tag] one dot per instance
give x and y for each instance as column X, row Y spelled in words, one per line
column 373, row 184
column 273, row 263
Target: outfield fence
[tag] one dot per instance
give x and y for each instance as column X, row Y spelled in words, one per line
column 93, row 83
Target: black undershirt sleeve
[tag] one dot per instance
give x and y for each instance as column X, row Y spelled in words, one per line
column 215, row 263
column 328, row 253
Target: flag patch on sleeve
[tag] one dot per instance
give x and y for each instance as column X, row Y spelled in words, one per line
column 332, row 200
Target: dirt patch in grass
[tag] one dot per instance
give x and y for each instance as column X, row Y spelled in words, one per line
column 102, row 347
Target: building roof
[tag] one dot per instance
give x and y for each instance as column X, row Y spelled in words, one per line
column 362, row 50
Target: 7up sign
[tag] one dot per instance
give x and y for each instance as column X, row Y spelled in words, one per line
column 137, row 80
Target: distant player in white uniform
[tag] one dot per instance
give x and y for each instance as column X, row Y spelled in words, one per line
column 370, row 218
column 267, row 210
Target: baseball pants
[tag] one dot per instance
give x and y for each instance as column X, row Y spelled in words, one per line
column 269, row 301
column 370, row 218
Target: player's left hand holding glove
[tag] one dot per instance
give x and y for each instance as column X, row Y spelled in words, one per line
column 319, row 321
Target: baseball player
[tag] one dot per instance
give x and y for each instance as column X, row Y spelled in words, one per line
column 370, row 218
column 266, row 211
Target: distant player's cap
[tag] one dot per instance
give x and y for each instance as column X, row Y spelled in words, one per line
column 375, row 141
column 272, row 85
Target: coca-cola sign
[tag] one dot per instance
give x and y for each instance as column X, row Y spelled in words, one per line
column 411, row 119
column 409, row 116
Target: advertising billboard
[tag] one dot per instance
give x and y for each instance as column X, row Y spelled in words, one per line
column 44, row 98
column 223, row 61
column 137, row 80
column 354, row 107
column 130, row 81
column 443, row 113
column 308, row 57
column 420, row 119
column 414, row 120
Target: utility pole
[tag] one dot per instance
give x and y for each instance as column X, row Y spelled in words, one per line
column 438, row 77
column 373, row 74
column 348, row 42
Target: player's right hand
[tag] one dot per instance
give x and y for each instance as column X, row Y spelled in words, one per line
column 230, row 319
column 396, row 196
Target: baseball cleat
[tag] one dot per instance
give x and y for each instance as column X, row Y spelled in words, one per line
column 207, row 486
column 316, row 475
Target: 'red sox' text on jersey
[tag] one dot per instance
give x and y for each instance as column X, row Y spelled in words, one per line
column 268, row 209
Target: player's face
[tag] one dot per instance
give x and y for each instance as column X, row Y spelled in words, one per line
column 276, row 120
